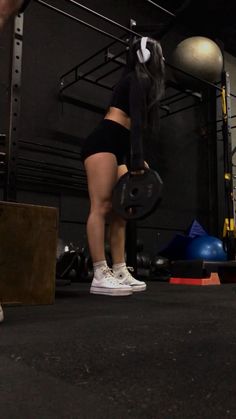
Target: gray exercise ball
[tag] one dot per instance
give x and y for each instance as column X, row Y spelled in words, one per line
column 200, row 57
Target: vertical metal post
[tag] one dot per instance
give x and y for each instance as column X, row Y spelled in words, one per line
column 131, row 227
column 12, row 137
column 229, row 223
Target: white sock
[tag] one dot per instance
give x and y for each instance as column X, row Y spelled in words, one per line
column 98, row 268
column 117, row 266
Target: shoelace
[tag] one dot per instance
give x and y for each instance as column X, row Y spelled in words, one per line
column 130, row 269
column 107, row 272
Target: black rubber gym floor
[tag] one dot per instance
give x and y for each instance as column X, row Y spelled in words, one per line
column 167, row 353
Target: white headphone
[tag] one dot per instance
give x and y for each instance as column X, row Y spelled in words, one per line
column 143, row 53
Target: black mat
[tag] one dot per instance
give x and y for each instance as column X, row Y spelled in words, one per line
column 167, row 353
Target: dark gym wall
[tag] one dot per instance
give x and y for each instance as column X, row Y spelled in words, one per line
column 184, row 157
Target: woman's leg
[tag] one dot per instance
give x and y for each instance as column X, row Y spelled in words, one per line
column 101, row 169
column 117, row 227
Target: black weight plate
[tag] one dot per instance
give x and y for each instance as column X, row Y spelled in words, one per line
column 135, row 196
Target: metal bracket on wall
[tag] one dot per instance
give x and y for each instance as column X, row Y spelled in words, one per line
column 75, row 74
column 10, row 189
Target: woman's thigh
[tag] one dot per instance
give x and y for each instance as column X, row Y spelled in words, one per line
column 101, row 170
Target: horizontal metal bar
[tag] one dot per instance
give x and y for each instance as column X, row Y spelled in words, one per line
column 119, row 66
column 176, row 100
column 38, row 171
column 46, row 174
column 50, row 152
column 109, row 35
column 220, row 130
column 111, row 59
column 165, row 99
column 89, row 80
column 42, row 163
column 165, row 108
column 193, row 77
column 77, row 102
column 180, row 110
column 93, row 12
column 93, row 80
column 30, row 144
column 181, row 89
column 51, row 183
column 115, row 58
column 161, row 8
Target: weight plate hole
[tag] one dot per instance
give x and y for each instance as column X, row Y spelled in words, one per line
column 134, row 192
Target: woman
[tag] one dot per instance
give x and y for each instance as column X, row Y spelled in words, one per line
column 106, row 154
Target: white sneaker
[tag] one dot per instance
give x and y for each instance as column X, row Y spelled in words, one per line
column 109, row 285
column 124, row 277
column 1, row 314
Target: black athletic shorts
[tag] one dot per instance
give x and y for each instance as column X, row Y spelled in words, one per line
column 109, row 137
column 24, row 5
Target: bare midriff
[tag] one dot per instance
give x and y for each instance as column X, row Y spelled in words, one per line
column 119, row 116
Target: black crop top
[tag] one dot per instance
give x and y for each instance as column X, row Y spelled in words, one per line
column 121, row 94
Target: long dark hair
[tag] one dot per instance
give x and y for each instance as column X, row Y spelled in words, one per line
column 150, row 77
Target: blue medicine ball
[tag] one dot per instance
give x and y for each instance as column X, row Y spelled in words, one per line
column 206, row 248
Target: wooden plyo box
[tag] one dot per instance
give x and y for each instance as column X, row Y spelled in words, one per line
column 28, row 243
